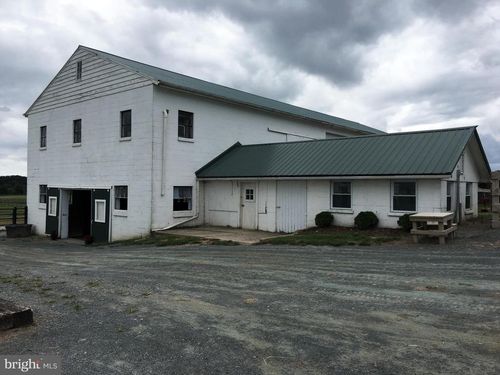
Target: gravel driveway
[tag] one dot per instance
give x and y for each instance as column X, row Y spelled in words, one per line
column 390, row 309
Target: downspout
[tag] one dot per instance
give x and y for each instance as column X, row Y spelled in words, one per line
column 196, row 215
column 165, row 119
column 458, row 206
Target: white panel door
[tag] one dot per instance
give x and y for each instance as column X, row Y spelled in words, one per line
column 291, row 206
column 248, row 206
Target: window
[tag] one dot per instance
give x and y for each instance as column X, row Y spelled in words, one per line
column 77, row 131
column 341, row 194
column 79, row 69
column 52, row 206
column 249, row 194
column 43, row 136
column 126, row 123
column 449, row 193
column 185, row 129
column 183, row 198
column 100, row 211
column 121, row 197
column 468, row 194
column 42, row 194
column 404, row 196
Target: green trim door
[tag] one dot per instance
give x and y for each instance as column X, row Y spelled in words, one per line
column 100, row 215
column 52, row 211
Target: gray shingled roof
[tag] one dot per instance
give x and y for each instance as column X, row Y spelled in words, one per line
column 417, row 153
column 183, row 82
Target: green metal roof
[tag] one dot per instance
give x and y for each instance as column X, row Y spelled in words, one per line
column 433, row 152
column 183, row 82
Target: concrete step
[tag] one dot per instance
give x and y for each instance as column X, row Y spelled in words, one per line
column 13, row 316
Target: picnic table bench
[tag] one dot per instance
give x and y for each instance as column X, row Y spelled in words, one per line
column 433, row 224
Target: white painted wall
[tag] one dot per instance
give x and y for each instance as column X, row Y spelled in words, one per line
column 217, row 126
column 367, row 195
column 102, row 160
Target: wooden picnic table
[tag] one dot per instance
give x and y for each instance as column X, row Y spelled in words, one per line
column 433, row 224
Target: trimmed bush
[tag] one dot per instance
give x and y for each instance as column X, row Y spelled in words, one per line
column 324, row 219
column 366, row 220
column 404, row 222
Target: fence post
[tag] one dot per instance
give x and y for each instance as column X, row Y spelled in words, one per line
column 25, row 214
column 14, row 215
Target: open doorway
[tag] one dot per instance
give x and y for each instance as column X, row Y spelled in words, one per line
column 79, row 213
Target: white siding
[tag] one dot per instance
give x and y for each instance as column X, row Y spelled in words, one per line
column 217, row 126
column 99, row 78
column 101, row 160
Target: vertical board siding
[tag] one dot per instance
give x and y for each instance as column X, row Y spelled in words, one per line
column 291, row 206
column 99, row 78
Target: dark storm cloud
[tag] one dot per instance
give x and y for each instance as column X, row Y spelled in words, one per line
column 323, row 37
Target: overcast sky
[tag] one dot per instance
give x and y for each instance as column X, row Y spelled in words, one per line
column 394, row 65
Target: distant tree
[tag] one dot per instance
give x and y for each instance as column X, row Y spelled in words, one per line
column 12, row 185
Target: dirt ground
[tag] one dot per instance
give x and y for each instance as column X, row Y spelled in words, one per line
column 388, row 309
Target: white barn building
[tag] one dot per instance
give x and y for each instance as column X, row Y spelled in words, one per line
column 114, row 144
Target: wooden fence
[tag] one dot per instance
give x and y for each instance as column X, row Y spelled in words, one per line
column 14, row 215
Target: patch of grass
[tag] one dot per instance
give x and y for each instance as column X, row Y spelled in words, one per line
column 94, row 284
column 132, row 310
column 336, row 237
column 221, row 242
column 162, row 240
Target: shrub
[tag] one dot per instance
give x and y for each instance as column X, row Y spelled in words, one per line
column 88, row 239
column 324, row 219
column 404, row 222
column 365, row 220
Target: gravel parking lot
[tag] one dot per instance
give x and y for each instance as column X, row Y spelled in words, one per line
column 389, row 309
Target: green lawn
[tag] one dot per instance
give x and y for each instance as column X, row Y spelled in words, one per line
column 161, row 239
column 336, row 236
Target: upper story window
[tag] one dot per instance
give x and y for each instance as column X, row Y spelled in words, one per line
column 341, row 194
column 42, row 194
column 77, row 131
column 183, row 198
column 185, row 129
column 121, row 197
column 79, row 66
column 126, row 123
column 468, row 195
column 43, row 136
column 404, row 196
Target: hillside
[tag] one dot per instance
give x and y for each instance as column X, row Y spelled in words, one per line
column 12, row 185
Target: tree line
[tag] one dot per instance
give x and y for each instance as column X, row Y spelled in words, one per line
column 12, row 185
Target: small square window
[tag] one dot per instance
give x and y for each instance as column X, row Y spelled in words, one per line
column 126, row 123
column 77, row 131
column 341, row 196
column 79, row 66
column 52, row 206
column 185, row 125
column 100, row 211
column 249, row 194
column 43, row 136
column 121, row 197
column 42, row 194
column 183, row 198
column 404, row 196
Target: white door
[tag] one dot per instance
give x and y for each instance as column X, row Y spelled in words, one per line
column 248, row 206
column 64, row 215
column 291, row 207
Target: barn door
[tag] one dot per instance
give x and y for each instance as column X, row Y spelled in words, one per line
column 52, row 212
column 291, row 207
column 100, row 215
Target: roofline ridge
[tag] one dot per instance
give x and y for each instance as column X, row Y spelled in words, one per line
column 235, row 89
column 364, row 136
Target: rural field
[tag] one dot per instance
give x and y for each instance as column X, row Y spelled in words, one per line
column 7, row 203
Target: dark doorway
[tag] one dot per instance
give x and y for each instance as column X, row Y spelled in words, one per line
column 79, row 214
